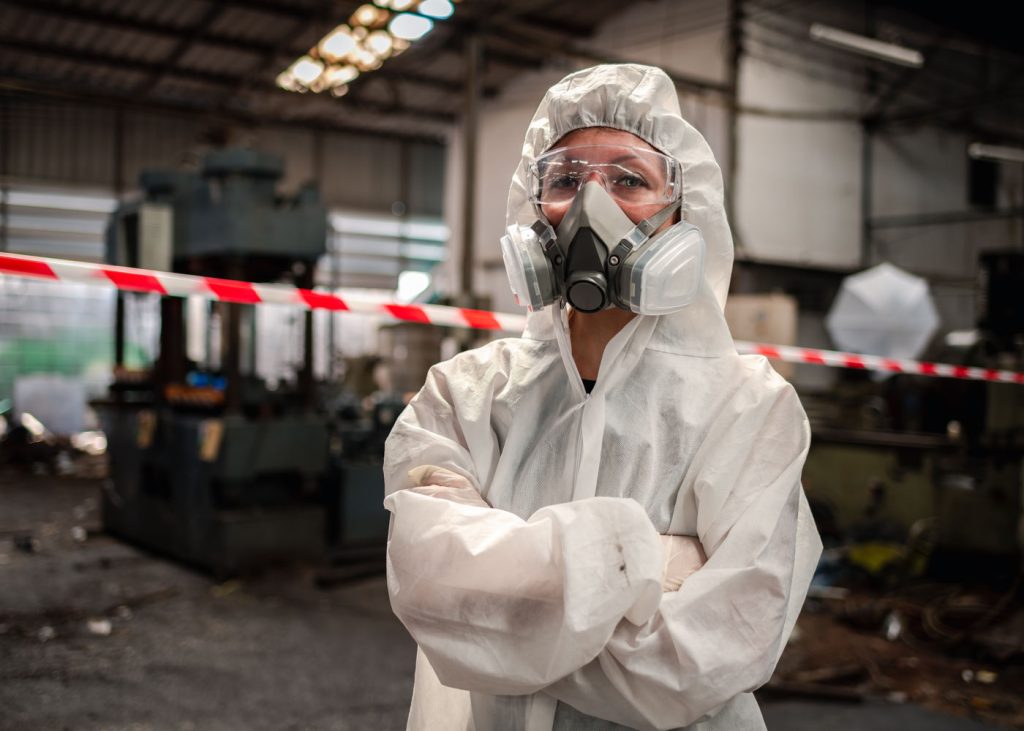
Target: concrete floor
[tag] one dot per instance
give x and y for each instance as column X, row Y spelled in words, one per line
column 185, row 652
column 872, row 715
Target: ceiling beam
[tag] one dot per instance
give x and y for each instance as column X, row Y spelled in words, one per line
column 220, row 80
column 110, row 60
column 273, row 7
column 181, row 47
column 121, row 22
column 525, row 11
column 130, row 102
column 288, row 50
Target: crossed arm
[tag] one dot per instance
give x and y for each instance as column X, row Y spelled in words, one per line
column 571, row 602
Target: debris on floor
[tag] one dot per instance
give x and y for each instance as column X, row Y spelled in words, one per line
column 898, row 646
column 226, row 589
column 82, row 622
column 102, row 627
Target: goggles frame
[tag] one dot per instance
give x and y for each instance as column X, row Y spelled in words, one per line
column 653, row 163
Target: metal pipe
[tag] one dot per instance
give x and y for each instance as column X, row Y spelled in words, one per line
column 120, row 309
column 307, row 383
column 735, row 51
column 119, row 153
column 5, row 146
column 474, row 52
column 231, row 343
column 866, row 171
column 401, row 207
column 119, row 334
column 866, row 164
column 332, row 263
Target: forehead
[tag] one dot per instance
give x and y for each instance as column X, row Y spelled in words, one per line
column 602, row 136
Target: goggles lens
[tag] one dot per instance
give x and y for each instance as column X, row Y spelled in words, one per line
column 630, row 174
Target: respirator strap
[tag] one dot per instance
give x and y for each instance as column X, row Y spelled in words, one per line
column 642, row 231
column 545, row 234
column 637, row 236
column 650, row 225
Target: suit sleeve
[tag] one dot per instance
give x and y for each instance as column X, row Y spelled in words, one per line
column 499, row 604
column 722, row 633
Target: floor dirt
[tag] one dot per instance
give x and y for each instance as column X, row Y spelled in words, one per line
column 183, row 652
column 96, row 634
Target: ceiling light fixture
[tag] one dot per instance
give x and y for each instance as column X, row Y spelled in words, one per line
column 379, row 43
column 337, row 44
column 867, row 46
column 370, row 16
column 335, row 76
column 306, row 70
column 376, row 31
column 981, row 151
column 398, row 45
column 288, row 82
column 409, row 26
column 365, row 60
column 437, row 9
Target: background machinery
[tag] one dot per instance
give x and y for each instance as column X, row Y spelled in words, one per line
column 209, row 463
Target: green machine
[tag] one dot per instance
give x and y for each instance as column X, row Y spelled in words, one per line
column 208, row 464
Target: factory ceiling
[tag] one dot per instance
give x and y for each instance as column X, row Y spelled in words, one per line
column 221, row 58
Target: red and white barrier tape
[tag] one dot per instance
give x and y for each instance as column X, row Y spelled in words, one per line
column 837, row 359
column 227, row 290
column 248, row 293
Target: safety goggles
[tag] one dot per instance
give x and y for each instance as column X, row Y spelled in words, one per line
column 630, row 174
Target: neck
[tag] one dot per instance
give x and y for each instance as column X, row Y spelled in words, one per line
column 589, row 334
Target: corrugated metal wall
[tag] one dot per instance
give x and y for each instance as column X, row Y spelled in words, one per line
column 365, row 173
column 58, row 142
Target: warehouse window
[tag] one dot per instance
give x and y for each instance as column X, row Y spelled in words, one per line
column 57, row 222
column 367, row 250
column 60, row 328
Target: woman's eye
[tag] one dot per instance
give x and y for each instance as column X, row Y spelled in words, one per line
column 563, row 181
column 630, row 181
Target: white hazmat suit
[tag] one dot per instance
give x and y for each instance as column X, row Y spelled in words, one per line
column 545, row 610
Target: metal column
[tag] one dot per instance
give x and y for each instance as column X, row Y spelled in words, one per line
column 474, row 53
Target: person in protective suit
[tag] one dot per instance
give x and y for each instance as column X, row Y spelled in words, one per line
column 600, row 524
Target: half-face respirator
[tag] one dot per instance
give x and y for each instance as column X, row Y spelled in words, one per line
column 597, row 257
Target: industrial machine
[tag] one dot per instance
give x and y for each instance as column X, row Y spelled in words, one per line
column 208, row 463
column 910, row 457
column 980, row 484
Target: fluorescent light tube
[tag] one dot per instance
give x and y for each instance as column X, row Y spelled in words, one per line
column 867, row 46
column 980, row 151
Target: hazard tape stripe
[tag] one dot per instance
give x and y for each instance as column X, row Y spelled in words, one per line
column 227, row 290
column 837, row 359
